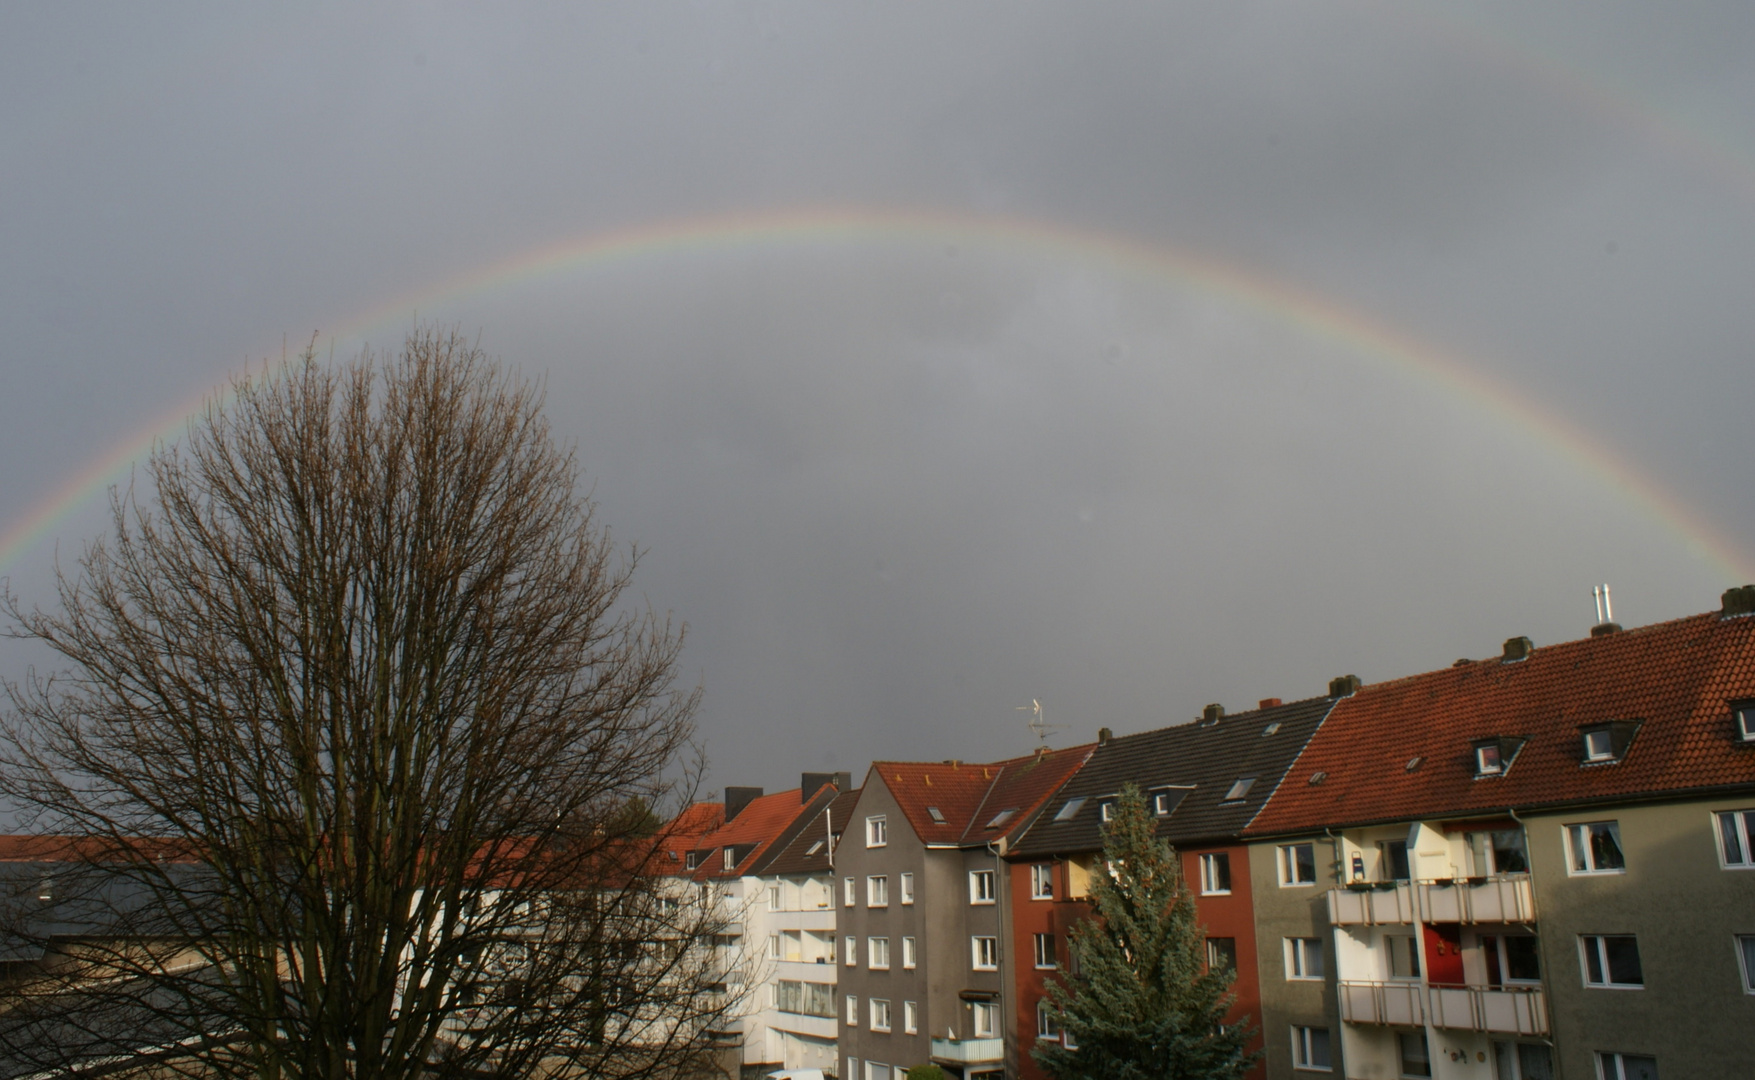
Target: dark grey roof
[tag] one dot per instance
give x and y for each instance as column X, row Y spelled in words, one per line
column 792, row 857
column 1209, row 756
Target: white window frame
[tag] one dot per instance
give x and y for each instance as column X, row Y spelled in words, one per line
column 983, row 887
column 729, row 858
column 1298, row 952
column 1303, row 1044
column 1745, row 944
column 877, row 831
column 1597, row 944
column 852, row 1016
column 880, row 1013
column 908, row 957
column 849, row 887
column 1209, row 876
column 1743, row 714
column 1045, row 958
column 907, row 888
column 1612, row 1064
column 984, row 952
column 1591, row 752
column 877, row 949
column 877, row 891
column 1286, row 854
column 852, row 958
column 774, row 897
column 1047, row 1021
column 773, row 946
column 1489, row 760
column 910, row 1018
column 1741, row 831
column 1042, row 881
column 985, row 1020
column 1579, row 850
column 1106, row 810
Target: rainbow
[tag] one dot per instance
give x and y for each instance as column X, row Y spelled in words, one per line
column 1304, row 310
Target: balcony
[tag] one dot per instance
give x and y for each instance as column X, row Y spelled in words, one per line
column 968, row 1051
column 1503, row 898
column 1499, row 1010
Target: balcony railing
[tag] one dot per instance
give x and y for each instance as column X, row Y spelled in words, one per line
column 1502, row 898
column 1496, row 1009
column 968, row 1051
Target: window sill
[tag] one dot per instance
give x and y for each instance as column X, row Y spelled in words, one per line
column 1597, row 873
column 1219, row 892
column 1613, row 986
column 1047, row 967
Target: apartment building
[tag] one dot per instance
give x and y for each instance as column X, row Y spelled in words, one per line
column 1204, row 781
column 725, row 866
column 798, row 1008
column 1532, row 866
column 923, row 911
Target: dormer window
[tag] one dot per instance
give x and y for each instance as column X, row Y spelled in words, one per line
column 730, row 857
column 1106, row 809
column 1239, row 789
column 1744, row 712
column 1166, row 799
column 694, row 860
column 1605, row 744
column 1493, row 757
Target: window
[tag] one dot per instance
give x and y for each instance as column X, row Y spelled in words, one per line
column 1746, row 958
column 1215, row 874
column 986, row 1020
column 730, row 855
column 1599, row 745
column 910, row 1017
column 1615, row 1066
column 1736, row 833
column 1106, row 809
column 810, row 999
column 1310, row 1048
column 816, row 846
column 878, row 949
column 877, row 1070
column 773, row 898
column 773, row 946
column 1488, row 761
column 1068, row 811
column 1416, row 1060
column 1611, row 960
column 1067, row 1040
column 1404, row 956
column 908, row 952
column 1744, row 711
column 1221, row 954
column 984, row 953
column 1392, row 859
column 852, row 951
column 1522, row 1061
column 877, row 831
column 877, row 891
column 981, row 886
column 852, row 1068
column 1304, row 958
column 1042, row 881
column 1239, row 789
column 852, row 1010
column 1047, row 1020
column 1499, row 852
column 1045, row 950
column 846, row 892
column 1297, row 864
column 880, row 1014
column 693, row 860
column 937, row 815
column 1511, row 959
column 1596, row 848
column 1166, row 800
column 907, row 888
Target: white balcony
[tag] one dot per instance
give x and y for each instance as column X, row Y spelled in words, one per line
column 1503, row 898
column 968, row 1051
column 1500, row 1010
column 1400, row 1003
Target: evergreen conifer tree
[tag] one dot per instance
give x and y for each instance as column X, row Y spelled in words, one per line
column 1142, row 1005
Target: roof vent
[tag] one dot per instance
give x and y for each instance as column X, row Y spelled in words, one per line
column 1269, row 703
column 736, row 798
column 1346, row 684
column 1739, row 601
column 1213, row 713
column 1517, row 648
column 1104, row 735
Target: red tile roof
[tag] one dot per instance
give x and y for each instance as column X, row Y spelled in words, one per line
column 759, row 824
column 1677, row 677
column 969, row 796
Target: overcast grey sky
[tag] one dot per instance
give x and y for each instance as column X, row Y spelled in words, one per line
column 1006, row 430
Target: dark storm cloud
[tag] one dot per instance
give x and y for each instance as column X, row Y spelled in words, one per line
column 898, row 486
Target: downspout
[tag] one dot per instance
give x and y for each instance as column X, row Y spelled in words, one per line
column 1007, row 978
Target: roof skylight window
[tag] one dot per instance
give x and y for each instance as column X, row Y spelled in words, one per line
column 936, row 814
column 1271, row 728
column 1239, row 789
column 1001, row 818
column 814, row 848
column 1071, row 808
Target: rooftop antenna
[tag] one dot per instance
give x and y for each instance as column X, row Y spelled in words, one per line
column 1038, row 727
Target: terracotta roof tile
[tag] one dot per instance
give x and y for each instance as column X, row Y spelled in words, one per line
column 969, row 796
column 1676, row 678
column 759, row 824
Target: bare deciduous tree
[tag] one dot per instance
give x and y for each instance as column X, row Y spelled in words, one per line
column 353, row 769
